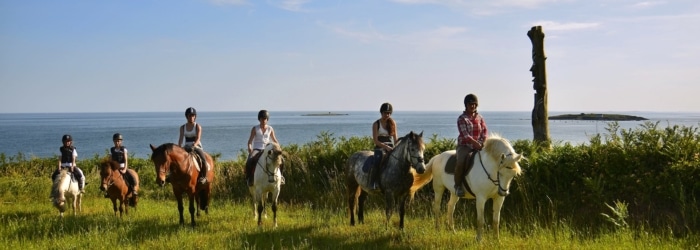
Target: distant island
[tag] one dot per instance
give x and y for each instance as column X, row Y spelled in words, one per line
column 598, row 117
column 324, row 114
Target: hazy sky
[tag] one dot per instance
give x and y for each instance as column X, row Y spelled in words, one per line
column 351, row 55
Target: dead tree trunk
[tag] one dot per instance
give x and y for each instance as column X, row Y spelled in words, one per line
column 540, row 117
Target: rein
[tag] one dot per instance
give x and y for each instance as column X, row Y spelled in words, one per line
column 404, row 149
column 270, row 173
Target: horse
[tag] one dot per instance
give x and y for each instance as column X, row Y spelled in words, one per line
column 115, row 185
column 183, row 169
column 63, row 185
column 494, row 168
column 398, row 180
column 267, row 179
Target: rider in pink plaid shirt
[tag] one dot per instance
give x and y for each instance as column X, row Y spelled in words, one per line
column 472, row 134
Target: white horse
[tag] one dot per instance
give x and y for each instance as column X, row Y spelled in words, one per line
column 494, row 168
column 63, row 186
column 267, row 179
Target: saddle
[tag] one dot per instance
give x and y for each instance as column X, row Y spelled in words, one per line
column 369, row 163
column 450, row 169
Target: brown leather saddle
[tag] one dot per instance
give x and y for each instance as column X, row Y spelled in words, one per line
column 450, row 169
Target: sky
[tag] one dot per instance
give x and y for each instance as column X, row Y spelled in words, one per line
column 351, row 55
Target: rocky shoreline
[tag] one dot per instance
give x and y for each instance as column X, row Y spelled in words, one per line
column 598, row 117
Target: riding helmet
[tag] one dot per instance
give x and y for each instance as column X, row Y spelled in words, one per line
column 117, row 136
column 386, row 107
column 263, row 114
column 471, row 98
column 190, row 111
column 66, row 138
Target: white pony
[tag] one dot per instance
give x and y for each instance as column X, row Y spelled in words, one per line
column 267, row 179
column 494, row 168
column 63, row 186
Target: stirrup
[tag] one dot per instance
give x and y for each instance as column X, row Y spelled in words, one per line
column 459, row 191
column 282, row 181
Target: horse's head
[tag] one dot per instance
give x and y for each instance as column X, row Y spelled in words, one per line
column 413, row 148
column 60, row 185
column 161, row 160
column 107, row 168
column 507, row 159
column 273, row 160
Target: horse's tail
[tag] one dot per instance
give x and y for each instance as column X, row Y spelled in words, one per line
column 420, row 180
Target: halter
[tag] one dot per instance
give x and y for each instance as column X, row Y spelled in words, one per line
column 497, row 181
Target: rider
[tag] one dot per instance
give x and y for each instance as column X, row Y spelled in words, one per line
column 67, row 160
column 260, row 135
column 384, row 137
column 192, row 133
column 119, row 154
column 472, row 134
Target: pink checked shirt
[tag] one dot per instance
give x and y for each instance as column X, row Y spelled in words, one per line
column 473, row 127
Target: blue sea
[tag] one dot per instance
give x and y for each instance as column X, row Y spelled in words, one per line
column 39, row 134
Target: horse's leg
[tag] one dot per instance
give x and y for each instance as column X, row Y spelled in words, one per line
column 402, row 210
column 451, row 210
column 389, row 202
column 497, row 205
column 261, row 206
column 121, row 207
column 114, row 205
column 180, row 207
column 480, row 203
column 439, row 189
column 361, row 206
column 353, row 192
column 191, row 197
column 275, row 195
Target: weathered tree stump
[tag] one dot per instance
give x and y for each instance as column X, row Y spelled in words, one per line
column 540, row 120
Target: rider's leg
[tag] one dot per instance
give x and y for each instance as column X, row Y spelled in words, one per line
column 204, row 167
column 462, row 155
column 250, row 166
column 131, row 182
column 81, row 178
column 375, row 170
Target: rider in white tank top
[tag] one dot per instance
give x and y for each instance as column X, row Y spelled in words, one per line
column 261, row 138
column 190, row 136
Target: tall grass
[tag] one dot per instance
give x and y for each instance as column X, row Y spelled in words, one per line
column 628, row 188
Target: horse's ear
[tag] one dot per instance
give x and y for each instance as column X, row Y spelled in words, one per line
column 152, row 147
column 421, row 133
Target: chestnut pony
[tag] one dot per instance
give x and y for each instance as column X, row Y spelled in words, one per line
column 183, row 170
column 115, row 185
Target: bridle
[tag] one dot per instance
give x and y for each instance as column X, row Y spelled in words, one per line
column 408, row 157
column 497, row 181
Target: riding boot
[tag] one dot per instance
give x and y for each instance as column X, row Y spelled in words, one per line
column 249, row 166
column 459, row 178
column 203, row 167
column 81, row 185
column 131, row 181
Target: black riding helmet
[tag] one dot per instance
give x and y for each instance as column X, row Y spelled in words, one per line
column 190, row 111
column 386, row 107
column 117, row 136
column 471, row 98
column 66, row 138
column 263, row 114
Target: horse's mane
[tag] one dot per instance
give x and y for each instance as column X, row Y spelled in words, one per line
column 496, row 145
column 418, row 139
column 56, row 183
column 162, row 149
column 107, row 161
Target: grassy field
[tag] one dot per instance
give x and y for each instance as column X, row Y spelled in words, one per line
column 30, row 222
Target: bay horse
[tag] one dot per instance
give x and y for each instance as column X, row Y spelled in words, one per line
column 494, row 168
column 115, row 185
column 66, row 186
column 398, row 180
column 267, row 179
column 183, row 168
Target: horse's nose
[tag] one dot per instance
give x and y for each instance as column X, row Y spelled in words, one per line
column 103, row 188
column 503, row 192
column 160, row 183
column 420, row 170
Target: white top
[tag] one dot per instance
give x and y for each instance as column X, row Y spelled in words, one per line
column 261, row 139
column 190, row 134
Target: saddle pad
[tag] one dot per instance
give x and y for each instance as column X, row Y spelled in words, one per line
column 451, row 163
column 368, row 164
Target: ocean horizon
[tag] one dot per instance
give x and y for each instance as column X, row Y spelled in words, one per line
column 227, row 132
